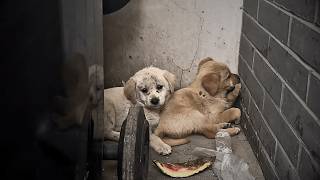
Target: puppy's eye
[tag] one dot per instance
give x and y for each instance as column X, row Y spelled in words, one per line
column 159, row 87
column 144, row 90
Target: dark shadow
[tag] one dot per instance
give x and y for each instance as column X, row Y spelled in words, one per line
column 120, row 30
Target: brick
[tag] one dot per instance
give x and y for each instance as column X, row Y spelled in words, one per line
column 251, row 6
column 244, row 97
column 268, row 78
column 246, row 50
column 274, row 20
column 304, row 9
column 306, row 43
column 303, row 123
column 318, row 16
column 313, row 96
column 281, row 129
column 266, row 165
column 250, row 134
column 267, row 140
column 262, row 130
column 251, row 82
column 255, row 34
column 285, row 169
column 288, row 67
column 255, row 116
column 243, row 120
column 308, row 168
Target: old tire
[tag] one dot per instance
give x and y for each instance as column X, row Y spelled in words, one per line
column 133, row 149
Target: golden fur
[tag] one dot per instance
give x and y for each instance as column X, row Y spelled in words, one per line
column 203, row 107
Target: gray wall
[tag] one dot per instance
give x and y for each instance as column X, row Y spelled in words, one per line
column 171, row 34
column 279, row 64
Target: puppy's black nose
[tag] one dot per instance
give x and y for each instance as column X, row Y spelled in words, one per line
column 154, row 101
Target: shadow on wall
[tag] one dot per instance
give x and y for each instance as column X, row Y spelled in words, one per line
column 116, row 39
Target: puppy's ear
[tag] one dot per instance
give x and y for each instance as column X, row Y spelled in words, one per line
column 130, row 90
column 171, row 78
column 210, row 83
column 204, row 61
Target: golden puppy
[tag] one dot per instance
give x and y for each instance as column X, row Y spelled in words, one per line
column 203, row 107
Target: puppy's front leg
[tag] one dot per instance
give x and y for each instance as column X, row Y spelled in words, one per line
column 156, row 143
column 159, row 146
column 232, row 96
column 109, row 123
column 229, row 115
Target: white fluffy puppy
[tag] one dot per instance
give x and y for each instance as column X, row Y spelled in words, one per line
column 151, row 87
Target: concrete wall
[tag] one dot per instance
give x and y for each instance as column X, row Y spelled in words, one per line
column 279, row 66
column 170, row 34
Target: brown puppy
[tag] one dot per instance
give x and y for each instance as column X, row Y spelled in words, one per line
column 204, row 107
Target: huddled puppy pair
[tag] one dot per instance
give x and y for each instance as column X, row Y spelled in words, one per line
column 203, row 107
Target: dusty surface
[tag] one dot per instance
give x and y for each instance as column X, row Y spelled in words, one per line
column 182, row 153
column 170, row 34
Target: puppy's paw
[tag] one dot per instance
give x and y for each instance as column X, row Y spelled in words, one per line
column 164, row 149
column 237, row 130
column 226, row 125
column 238, row 86
column 233, row 131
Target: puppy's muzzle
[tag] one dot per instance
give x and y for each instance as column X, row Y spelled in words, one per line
column 230, row 89
column 155, row 101
column 235, row 78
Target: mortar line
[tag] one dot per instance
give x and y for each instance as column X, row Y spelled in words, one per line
column 286, row 156
column 308, row 86
column 289, row 31
column 253, row 58
column 287, row 85
column 316, row 12
column 263, row 100
column 281, row 96
column 307, row 23
column 265, row 121
column 296, row 57
column 254, row 76
column 300, row 141
column 250, row 96
column 274, row 136
column 299, row 156
column 258, row 9
column 263, row 150
column 317, row 166
column 277, row 108
column 276, row 150
column 296, row 96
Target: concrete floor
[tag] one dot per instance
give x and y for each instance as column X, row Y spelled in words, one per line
column 240, row 147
